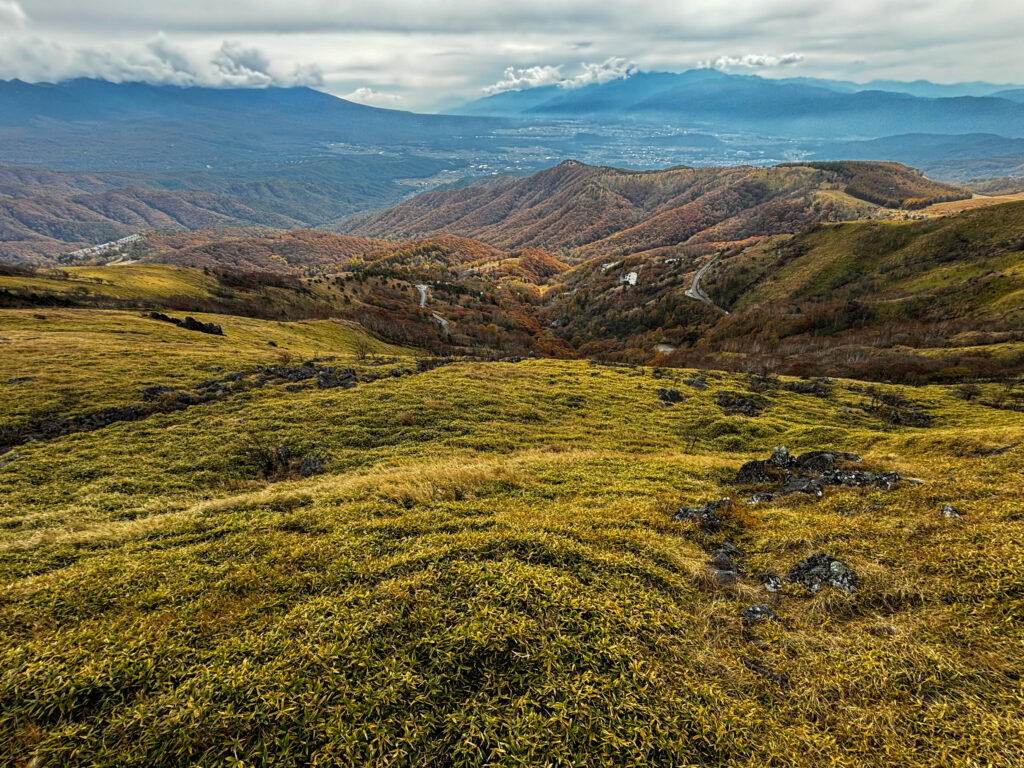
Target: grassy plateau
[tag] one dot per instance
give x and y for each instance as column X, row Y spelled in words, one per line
column 486, row 572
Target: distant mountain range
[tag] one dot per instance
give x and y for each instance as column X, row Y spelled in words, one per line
column 86, row 161
column 707, row 98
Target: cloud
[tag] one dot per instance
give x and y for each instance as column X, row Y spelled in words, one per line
column 516, row 79
column 521, row 79
column 752, row 61
column 12, row 16
column 614, row 68
column 365, row 95
column 158, row 61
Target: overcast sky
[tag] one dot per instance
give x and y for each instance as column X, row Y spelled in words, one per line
column 427, row 54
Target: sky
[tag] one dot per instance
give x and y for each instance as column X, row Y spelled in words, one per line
column 426, row 55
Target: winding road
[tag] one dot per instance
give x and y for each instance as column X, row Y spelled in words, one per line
column 696, row 292
column 437, row 318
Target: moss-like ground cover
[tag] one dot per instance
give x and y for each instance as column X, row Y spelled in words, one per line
column 487, row 573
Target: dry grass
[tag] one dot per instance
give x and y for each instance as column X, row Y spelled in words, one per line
column 488, row 574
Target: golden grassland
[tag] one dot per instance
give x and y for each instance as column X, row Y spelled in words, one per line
column 75, row 360
column 487, row 573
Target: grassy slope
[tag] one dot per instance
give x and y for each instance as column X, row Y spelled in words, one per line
column 80, row 360
column 975, row 257
column 488, row 575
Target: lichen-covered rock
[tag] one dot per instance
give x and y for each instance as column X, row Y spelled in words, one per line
column 819, row 571
column 948, row 510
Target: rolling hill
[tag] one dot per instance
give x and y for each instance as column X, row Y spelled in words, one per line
column 488, row 563
column 584, row 212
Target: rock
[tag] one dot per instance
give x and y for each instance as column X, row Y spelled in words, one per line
column 948, row 510
column 156, row 392
column 819, row 571
column 730, row 549
column 815, row 462
column 813, row 486
column 670, row 395
column 741, row 405
column 722, row 562
column 761, row 498
column 271, row 343
column 753, row 473
column 282, row 453
column 770, row 580
column 725, row 578
column 706, row 515
column 311, row 465
column 8, row 459
column 21, row 379
column 191, row 324
column 780, row 458
column 856, row 478
column 697, row 383
column 752, row 614
column 818, row 388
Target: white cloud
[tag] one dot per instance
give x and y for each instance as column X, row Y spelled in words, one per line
column 530, row 77
column 365, row 95
column 516, row 79
column 157, row 61
column 615, row 68
column 753, row 61
column 12, row 16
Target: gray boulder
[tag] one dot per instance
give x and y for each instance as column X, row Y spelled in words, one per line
column 819, row 571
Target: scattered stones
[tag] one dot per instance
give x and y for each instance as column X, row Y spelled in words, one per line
column 819, row 571
column 706, row 515
column 311, row 465
column 670, row 396
column 697, row 383
column 329, row 378
column 809, row 473
column 948, row 510
column 753, row 614
column 741, row 405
